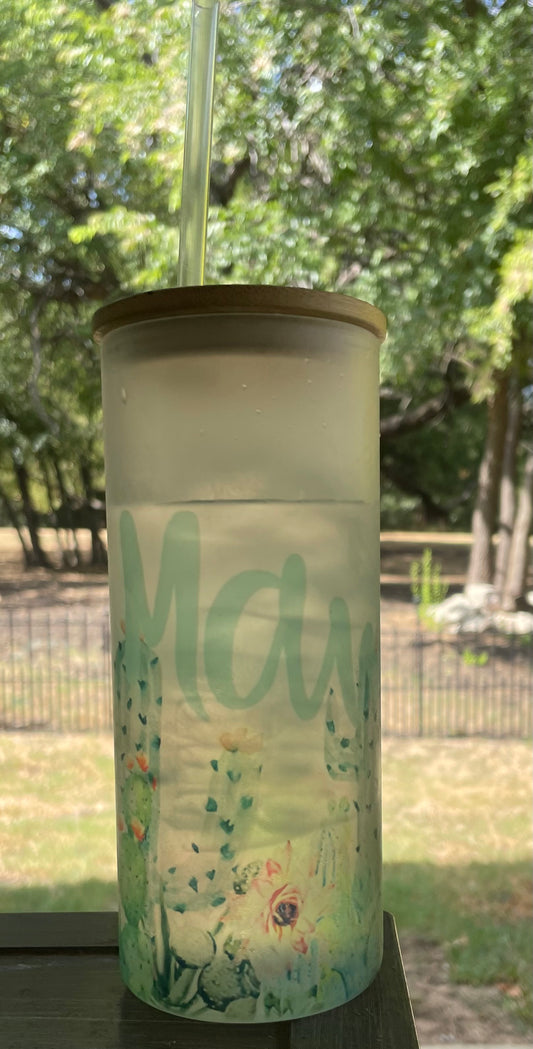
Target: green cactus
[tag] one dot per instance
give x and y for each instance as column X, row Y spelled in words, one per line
column 137, row 800
column 136, row 960
column 132, row 878
column 230, row 805
column 192, row 947
column 347, row 757
column 223, row 982
column 342, row 754
column 138, row 733
column 229, row 812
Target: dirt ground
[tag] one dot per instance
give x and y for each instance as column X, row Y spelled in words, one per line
column 20, row 586
column 445, row 1013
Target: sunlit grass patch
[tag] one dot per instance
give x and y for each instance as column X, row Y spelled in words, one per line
column 57, row 816
column 457, row 851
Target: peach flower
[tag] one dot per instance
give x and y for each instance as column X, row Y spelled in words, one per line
column 242, row 739
column 277, row 914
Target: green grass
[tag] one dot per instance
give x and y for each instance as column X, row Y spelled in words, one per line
column 457, row 856
column 456, row 830
column 57, row 822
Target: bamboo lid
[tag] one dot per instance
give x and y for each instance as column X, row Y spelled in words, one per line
column 237, row 298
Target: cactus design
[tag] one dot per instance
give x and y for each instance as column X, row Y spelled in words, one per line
column 249, row 891
column 138, row 713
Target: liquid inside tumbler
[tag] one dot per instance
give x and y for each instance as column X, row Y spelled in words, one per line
column 241, row 442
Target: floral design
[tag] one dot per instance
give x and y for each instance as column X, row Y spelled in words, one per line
column 227, row 931
column 242, row 739
column 278, row 905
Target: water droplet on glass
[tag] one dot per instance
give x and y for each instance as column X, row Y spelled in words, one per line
column 202, row 431
column 245, row 385
column 258, row 411
column 309, row 381
column 324, row 425
column 123, row 395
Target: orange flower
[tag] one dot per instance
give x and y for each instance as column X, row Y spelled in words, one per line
column 138, row 829
column 142, row 761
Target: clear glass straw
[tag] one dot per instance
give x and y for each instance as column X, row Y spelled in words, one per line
column 197, row 148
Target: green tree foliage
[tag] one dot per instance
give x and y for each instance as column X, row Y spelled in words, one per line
column 372, row 148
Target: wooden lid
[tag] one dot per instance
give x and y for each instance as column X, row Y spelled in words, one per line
column 237, row 298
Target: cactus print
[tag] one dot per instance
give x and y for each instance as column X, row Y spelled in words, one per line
column 228, row 933
column 248, row 815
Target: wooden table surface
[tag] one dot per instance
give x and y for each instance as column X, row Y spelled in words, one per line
column 60, row 988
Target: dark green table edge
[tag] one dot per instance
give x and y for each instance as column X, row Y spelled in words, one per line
column 60, row 989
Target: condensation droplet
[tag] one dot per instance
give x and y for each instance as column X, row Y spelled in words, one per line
column 245, row 385
column 258, row 411
column 202, row 431
column 309, row 381
column 324, row 425
column 123, row 395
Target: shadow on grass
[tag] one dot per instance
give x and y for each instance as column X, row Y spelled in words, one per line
column 479, row 913
column 90, row 895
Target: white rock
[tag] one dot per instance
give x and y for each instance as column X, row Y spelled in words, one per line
column 479, row 595
column 452, row 610
column 514, row 622
column 474, row 623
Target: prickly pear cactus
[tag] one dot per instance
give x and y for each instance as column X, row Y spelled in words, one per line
column 353, row 842
column 138, row 718
column 228, row 930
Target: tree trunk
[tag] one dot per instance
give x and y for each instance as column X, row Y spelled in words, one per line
column 71, row 554
column 39, row 557
column 507, row 486
column 98, row 550
column 13, row 519
column 484, row 517
column 516, row 579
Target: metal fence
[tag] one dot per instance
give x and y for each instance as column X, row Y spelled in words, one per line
column 55, row 669
column 55, row 676
column 436, row 684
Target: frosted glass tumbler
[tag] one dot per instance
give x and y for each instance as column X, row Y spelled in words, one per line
column 241, row 444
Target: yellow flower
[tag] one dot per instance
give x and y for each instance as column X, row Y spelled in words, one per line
column 242, row 739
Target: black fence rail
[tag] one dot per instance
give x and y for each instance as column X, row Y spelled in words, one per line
column 437, row 684
column 55, row 675
column 55, row 669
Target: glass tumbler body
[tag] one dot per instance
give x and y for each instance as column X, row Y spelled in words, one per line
column 241, row 444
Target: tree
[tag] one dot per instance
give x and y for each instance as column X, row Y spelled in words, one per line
column 49, row 391
column 504, row 330
column 356, row 149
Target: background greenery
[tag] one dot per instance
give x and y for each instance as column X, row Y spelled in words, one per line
column 374, row 148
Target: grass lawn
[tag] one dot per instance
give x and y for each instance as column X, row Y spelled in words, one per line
column 458, row 854
column 456, row 830
column 57, row 822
